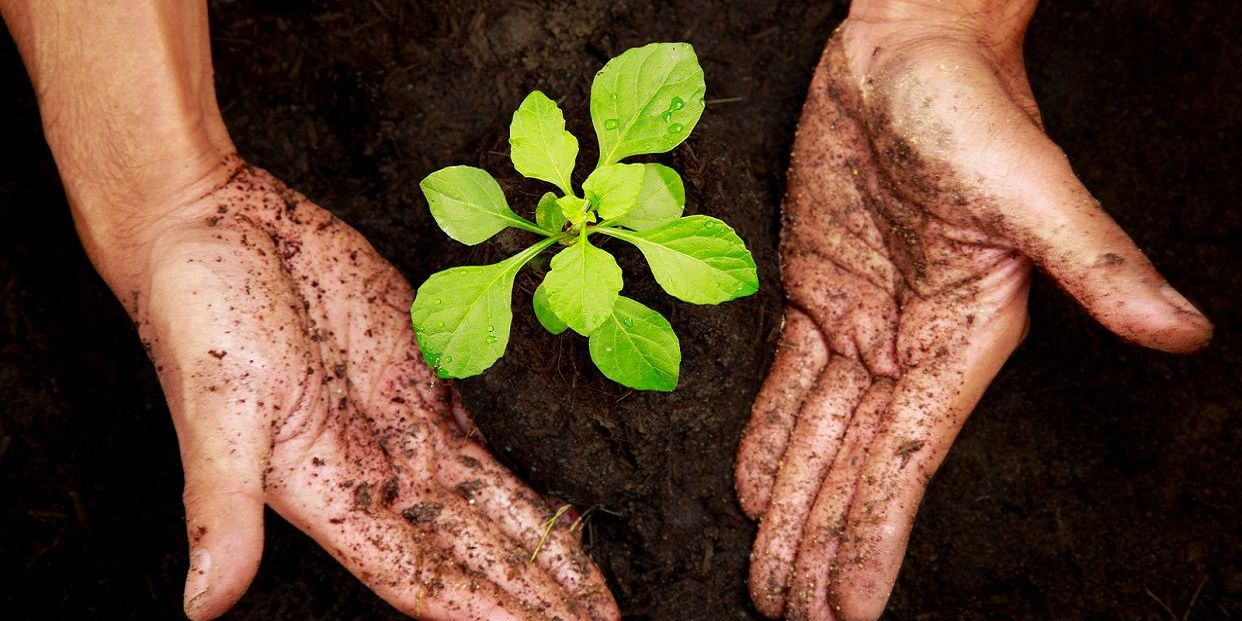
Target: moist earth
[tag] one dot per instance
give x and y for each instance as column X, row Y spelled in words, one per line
column 1096, row 480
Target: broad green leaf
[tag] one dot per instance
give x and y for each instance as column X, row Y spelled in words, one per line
column 646, row 100
column 462, row 315
column 583, row 285
column 698, row 259
column 573, row 208
column 662, row 198
column 543, row 312
column 637, row 347
column 612, row 189
column 548, row 214
column 469, row 205
column 540, row 146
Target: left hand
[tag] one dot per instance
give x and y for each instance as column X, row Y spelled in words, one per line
column 283, row 344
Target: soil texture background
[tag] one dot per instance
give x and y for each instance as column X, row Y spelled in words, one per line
column 1096, row 480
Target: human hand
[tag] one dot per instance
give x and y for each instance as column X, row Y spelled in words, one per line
column 283, row 344
column 921, row 191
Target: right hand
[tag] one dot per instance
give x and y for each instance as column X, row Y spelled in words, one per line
column 921, row 191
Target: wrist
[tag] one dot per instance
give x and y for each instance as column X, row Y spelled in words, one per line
column 997, row 22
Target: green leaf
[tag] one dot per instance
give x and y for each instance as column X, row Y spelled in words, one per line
column 573, row 208
column 637, row 347
column 462, row 315
column 469, row 205
column 583, row 285
column 540, row 146
column 612, row 189
column 661, row 198
column 543, row 312
column 548, row 214
column 646, row 100
column 698, row 259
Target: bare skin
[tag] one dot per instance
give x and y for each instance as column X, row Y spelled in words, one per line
column 282, row 341
column 922, row 190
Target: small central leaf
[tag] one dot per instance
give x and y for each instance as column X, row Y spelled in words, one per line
column 661, row 198
column 613, row 189
column 583, row 285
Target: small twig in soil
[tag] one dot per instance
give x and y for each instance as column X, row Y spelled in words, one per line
column 1172, row 615
column 1194, row 598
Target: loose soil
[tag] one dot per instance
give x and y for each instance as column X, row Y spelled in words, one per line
column 1095, row 481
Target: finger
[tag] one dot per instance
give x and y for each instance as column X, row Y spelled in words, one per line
column 400, row 559
column 929, row 404
column 472, row 535
column 525, row 517
column 812, row 447
column 474, row 540
column 800, row 358
column 224, row 511
column 1034, row 199
column 808, row 594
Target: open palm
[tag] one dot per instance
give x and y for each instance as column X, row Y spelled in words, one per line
column 922, row 189
column 284, row 348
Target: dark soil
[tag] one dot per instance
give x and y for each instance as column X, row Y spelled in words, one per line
column 1095, row 481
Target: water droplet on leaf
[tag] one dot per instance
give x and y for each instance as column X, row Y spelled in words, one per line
column 612, row 124
column 676, row 128
column 677, row 104
column 491, row 338
column 629, row 323
column 491, row 328
column 447, row 358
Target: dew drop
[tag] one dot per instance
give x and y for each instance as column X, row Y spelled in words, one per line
column 612, row 124
column 437, row 301
column 440, row 324
column 491, row 338
column 676, row 128
column 667, row 116
column 677, row 104
column 608, row 349
column 709, row 225
column 491, row 328
column 447, row 358
column 629, row 323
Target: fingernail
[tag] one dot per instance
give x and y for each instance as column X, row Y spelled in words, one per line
column 196, row 583
column 1178, row 301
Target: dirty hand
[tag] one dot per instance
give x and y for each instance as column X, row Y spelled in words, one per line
column 922, row 189
column 282, row 341
column 284, row 347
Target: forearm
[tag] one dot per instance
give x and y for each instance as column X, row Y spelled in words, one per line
column 128, row 106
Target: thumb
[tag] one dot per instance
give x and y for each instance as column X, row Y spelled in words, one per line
column 224, row 511
column 1042, row 207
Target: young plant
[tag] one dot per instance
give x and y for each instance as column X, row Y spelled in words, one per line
column 644, row 101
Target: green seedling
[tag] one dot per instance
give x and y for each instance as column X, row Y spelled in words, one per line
column 647, row 100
